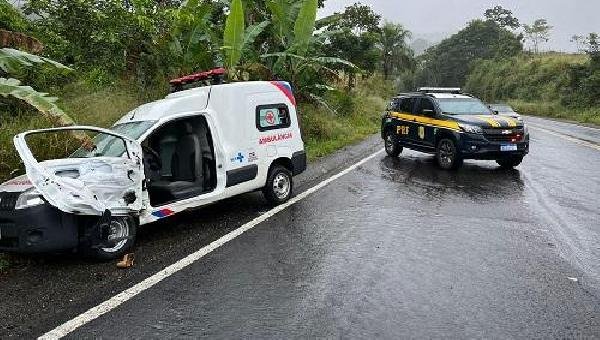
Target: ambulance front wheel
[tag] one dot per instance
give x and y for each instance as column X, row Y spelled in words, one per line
column 278, row 189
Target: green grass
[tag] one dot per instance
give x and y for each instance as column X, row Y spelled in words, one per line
column 87, row 106
column 555, row 110
column 529, row 78
column 325, row 132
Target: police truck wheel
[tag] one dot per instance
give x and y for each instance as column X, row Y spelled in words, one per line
column 509, row 163
column 447, row 155
column 279, row 185
column 112, row 240
column 392, row 147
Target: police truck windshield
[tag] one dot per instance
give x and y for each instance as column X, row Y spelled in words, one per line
column 463, row 106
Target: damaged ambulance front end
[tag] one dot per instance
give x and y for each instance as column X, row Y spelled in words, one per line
column 90, row 199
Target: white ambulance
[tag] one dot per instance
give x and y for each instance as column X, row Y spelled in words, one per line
column 199, row 145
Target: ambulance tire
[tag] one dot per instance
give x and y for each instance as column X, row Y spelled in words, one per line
column 278, row 189
column 100, row 247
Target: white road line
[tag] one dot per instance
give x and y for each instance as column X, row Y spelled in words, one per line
column 567, row 137
column 148, row 283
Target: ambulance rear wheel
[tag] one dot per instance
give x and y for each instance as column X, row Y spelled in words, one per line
column 278, row 189
column 392, row 147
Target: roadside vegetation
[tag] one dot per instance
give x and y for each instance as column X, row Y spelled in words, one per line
column 550, row 85
column 66, row 62
column 500, row 60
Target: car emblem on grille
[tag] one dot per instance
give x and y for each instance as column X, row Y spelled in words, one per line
column 506, row 132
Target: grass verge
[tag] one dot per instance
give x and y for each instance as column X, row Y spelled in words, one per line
column 555, row 110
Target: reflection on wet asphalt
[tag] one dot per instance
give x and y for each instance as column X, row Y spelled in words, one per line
column 399, row 248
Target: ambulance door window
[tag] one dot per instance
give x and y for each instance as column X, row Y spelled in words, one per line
column 272, row 117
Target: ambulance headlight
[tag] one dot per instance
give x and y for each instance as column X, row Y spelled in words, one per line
column 471, row 129
column 29, row 198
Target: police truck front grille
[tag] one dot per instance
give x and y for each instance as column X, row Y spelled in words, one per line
column 8, row 200
column 504, row 135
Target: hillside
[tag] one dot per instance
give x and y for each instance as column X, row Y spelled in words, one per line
column 551, row 85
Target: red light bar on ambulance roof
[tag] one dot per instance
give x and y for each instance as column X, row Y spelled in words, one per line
column 212, row 77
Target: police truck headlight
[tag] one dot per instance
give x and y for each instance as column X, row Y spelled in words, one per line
column 29, row 198
column 471, row 129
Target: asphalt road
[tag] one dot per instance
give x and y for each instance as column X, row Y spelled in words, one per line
column 395, row 248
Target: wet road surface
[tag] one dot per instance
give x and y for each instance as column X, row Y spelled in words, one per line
column 396, row 248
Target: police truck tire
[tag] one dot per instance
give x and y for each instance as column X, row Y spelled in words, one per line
column 509, row 163
column 122, row 228
column 392, row 147
column 447, row 155
column 278, row 189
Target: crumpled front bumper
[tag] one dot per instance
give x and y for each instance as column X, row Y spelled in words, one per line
column 37, row 229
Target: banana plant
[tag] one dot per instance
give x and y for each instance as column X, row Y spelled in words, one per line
column 237, row 38
column 44, row 104
column 295, row 62
column 11, row 62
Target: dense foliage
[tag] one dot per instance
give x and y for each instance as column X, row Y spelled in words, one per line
column 102, row 58
column 569, row 80
column 449, row 62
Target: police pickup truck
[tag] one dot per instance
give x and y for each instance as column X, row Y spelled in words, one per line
column 454, row 126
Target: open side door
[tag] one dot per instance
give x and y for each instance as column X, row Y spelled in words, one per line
column 101, row 175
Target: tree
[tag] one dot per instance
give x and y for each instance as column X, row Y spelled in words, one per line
column 395, row 54
column 579, row 41
column 448, row 63
column 537, row 33
column 360, row 18
column 352, row 35
column 503, row 17
column 593, row 50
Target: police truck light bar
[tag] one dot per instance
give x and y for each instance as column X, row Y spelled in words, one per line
column 212, row 77
column 440, row 89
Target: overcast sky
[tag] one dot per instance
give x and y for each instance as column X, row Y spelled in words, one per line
column 433, row 18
